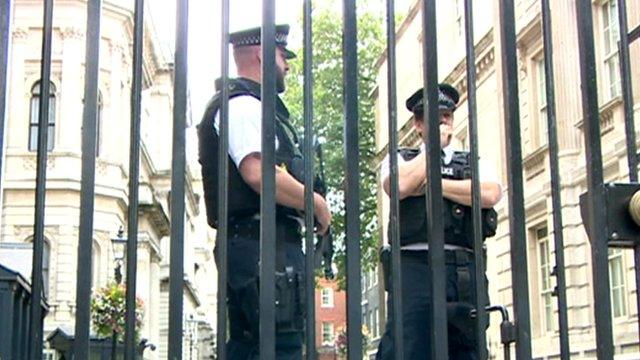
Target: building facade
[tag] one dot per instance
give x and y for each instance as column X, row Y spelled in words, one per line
column 331, row 317
column 62, row 210
column 533, row 112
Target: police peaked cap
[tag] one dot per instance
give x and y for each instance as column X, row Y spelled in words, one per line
column 448, row 98
column 251, row 37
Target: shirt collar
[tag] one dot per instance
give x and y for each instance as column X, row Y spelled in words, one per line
column 448, row 152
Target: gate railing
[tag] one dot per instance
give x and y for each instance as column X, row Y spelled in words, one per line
column 437, row 312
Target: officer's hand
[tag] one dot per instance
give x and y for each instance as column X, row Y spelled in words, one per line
column 322, row 214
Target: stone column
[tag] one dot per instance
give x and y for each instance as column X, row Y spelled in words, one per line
column 71, row 90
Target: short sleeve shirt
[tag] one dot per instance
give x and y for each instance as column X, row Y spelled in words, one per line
column 245, row 127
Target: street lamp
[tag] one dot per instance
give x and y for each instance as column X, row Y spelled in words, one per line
column 119, row 244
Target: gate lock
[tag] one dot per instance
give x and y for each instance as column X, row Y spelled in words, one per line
column 621, row 213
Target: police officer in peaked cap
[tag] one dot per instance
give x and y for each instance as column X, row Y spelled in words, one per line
column 458, row 236
column 245, row 177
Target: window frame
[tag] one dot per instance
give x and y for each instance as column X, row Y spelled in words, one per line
column 545, row 279
column 610, row 35
column 34, row 114
column 615, row 258
column 327, row 337
column 329, row 303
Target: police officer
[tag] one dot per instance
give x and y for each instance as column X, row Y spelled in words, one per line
column 244, row 200
column 458, row 233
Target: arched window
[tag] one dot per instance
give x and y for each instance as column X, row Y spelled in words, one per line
column 35, row 111
column 98, row 123
column 95, row 264
column 46, row 259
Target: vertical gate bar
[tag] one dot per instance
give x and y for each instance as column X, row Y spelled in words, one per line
column 435, row 232
column 481, row 295
column 394, row 239
column 554, row 168
column 41, row 179
column 223, row 187
column 627, row 94
column 597, row 229
column 630, row 132
column 308, row 181
column 268, row 186
column 5, row 27
column 134, row 173
column 352, row 163
column 176, row 265
column 87, row 186
column 515, row 180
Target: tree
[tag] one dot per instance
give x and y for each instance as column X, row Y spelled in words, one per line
column 328, row 119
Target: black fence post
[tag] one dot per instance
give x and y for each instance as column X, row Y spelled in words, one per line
column 5, row 33
column 35, row 330
column 308, row 181
column 352, row 171
column 223, row 186
column 517, row 232
column 394, row 238
column 478, row 250
column 134, row 173
column 87, row 187
column 178, row 169
column 435, row 232
column 268, row 187
column 554, row 169
column 597, row 229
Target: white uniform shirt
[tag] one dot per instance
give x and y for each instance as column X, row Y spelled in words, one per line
column 245, row 127
column 487, row 174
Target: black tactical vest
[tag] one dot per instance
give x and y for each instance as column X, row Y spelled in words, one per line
column 243, row 201
column 457, row 218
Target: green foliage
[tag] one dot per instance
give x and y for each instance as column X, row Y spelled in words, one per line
column 328, row 119
column 108, row 311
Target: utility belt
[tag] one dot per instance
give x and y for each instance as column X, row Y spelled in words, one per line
column 461, row 258
column 287, row 228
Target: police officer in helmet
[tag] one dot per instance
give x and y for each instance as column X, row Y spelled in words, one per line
column 244, row 200
column 458, row 233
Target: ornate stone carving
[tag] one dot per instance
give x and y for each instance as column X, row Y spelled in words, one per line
column 20, row 33
column 72, row 33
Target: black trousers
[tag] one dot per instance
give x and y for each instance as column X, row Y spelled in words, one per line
column 243, row 290
column 416, row 299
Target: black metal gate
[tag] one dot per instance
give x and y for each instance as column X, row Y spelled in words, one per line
column 595, row 201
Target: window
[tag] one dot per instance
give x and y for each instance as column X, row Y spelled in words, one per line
column 95, row 264
column 326, row 297
column 327, row 333
column 35, row 112
column 375, row 323
column 611, row 35
column 546, row 285
column 616, row 279
column 542, row 102
column 98, row 123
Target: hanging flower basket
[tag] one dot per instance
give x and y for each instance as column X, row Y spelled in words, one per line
column 108, row 311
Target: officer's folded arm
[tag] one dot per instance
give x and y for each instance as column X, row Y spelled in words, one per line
column 460, row 191
column 289, row 192
column 411, row 175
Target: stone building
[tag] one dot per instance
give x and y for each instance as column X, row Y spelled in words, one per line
column 533, row 112
column 112, row 166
